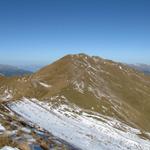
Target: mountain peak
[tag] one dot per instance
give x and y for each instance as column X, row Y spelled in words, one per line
column 80, row 55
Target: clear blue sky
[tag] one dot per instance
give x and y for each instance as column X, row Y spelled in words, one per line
column 40, row 31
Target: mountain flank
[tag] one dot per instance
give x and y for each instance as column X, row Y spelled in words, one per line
column 92, row 83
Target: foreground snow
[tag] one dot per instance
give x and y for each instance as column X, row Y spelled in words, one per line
column 8, row 148
column 85, row 130
column 2, row 129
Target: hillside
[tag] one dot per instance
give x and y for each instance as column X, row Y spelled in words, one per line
column 80, row 83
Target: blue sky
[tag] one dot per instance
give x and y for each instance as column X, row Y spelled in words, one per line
column 40, row 31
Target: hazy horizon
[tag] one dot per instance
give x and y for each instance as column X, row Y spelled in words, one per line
column 42, row 63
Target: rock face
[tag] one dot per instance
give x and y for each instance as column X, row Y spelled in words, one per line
column 92, row 83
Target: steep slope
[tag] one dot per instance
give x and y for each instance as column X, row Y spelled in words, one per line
column 8, row 70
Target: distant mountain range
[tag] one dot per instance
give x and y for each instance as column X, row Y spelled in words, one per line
column 32, row 68
column 8, row 70
column 141, row 67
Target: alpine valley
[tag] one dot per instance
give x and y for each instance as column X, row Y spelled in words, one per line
column 79, row 102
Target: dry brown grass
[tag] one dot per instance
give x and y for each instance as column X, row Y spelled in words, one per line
column 5, row 140
column 24, row 146
column 44, row 145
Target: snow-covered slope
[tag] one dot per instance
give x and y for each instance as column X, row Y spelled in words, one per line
column 84, row 129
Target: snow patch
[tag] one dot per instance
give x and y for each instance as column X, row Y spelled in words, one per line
column 120, row 67
column 9, row 148
column 45, row 85
column 2, row 129
column 79, row 86
column 7, row 95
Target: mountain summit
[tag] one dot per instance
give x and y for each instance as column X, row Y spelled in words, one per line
column 91, row 83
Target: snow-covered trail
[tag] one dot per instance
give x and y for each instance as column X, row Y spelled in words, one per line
column 80, row 129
